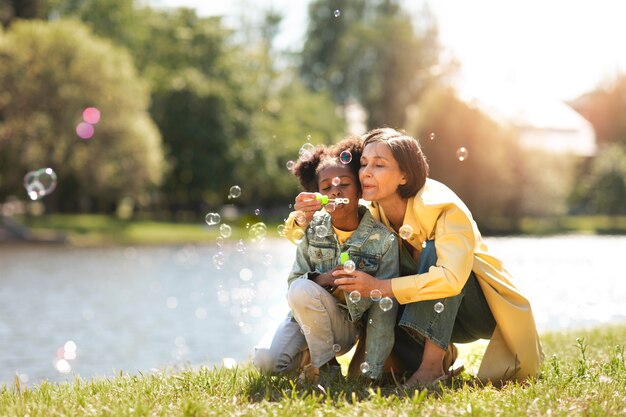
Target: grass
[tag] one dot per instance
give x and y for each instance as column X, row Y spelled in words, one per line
column 584, row 375
column 99, row 230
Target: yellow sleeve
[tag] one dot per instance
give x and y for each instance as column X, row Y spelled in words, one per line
column 455, row 237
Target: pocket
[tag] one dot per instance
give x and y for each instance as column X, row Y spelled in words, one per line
column 321, row 255
column 365, row 262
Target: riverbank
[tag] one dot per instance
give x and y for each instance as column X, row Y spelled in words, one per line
column 583, row 375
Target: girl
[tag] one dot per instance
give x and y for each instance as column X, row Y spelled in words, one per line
column 451, row 289
column 323, row 321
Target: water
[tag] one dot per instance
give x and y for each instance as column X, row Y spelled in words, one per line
column 140, row 309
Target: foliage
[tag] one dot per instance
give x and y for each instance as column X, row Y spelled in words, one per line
column 583, row 375
column 603, row 190
column 51, row 72
column 370, row 51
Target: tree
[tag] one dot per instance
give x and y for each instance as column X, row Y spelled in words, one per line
column 370, row 51
column 49, row 74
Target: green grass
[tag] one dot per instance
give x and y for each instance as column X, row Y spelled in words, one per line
column 96, row 230
column 584, row 375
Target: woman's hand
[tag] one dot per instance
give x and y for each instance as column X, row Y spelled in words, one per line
column 307, row 204
column 362, row 282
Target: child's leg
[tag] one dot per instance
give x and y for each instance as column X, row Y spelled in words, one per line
column 379, row 340
column 286, row 351
column 324, row 324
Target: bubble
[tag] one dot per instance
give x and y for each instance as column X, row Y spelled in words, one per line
column 245, row 274
column 91, row 115
column 212, row 219
column 330, row 207
column 423, row 244
column 337, row 13
column 461, row 153
column 321, row 231
column 40, row 183
column 240, row 246
column 171, row 302
column 219, row 241
column 308, row 138
column 345, row 157
column 306, row 151
column 280, row 229
column 336, row 181
column 392, row 237
column 354, row 296
column 375, row 295
column 235, row 192
column 258, row 231
column 85, row 130
column 62, row 366
column 267, row 259
column 349, row 266
column 431, row 136
column 305, row 329
column 257, row 212
column 298, row 236
column 365, row 367
column 300, row 217
column 219, row 260
column 336, row 348
column 225, row 231
column 406, row 231
column 385, row 303
column 439, row 307
column 290, row 164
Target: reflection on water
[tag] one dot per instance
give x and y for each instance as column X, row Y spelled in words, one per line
column 95, row 312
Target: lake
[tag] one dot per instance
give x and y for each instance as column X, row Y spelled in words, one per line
column 95, row 312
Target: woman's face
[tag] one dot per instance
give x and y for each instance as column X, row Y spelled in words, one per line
column 380, row 173
column 339, row 181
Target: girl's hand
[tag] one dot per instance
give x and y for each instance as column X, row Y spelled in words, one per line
column 307, row 204
column 362, row 282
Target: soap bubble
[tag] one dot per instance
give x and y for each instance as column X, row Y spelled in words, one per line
column 245, row 274
column 85, row 130
column 219, row 260
column 280, row 229
column 349, row 266
column 91, row 115
column 235, row 191
column 337, row 13
column 330, row 207
column 385, row 303
column 438, row 307
column 431, row 136
column 365, row 367
column 345, row 157
column 40, row 183
column 300, row 218
column 225, row 231
column 306, row 151
column 354, row 296
column 240, row 246
column 290, row 165
column 406, row 231
column 336, row 181
column 212, row 219
column 461, row 153
column 219, row 241
column 257, row 212
column 321, row 231
column 258, row 230
column 375, row 295
column 336, row 348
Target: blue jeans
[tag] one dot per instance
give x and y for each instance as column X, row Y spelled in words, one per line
column 466, row 317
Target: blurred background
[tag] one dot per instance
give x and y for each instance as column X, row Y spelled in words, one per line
column 126, row 122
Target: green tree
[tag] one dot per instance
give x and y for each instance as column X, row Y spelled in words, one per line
column 51, row 72
column 371, row 51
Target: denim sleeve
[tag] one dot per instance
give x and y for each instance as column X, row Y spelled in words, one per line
column 302, row 263
column 390, row 258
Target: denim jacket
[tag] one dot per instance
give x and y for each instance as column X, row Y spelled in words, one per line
column 373, row 248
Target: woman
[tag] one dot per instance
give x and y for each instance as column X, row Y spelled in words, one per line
column 450, row 289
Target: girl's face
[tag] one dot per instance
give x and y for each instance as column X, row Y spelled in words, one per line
column 380, row 174
column 339, row 181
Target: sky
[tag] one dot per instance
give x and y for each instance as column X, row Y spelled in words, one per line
column 559, row 49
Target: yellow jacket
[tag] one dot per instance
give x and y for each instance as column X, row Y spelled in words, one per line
column 514, row 351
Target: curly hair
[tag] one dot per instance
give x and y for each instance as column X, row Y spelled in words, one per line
column 307, row 170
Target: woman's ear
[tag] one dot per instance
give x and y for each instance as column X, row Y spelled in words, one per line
column 403, row 179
